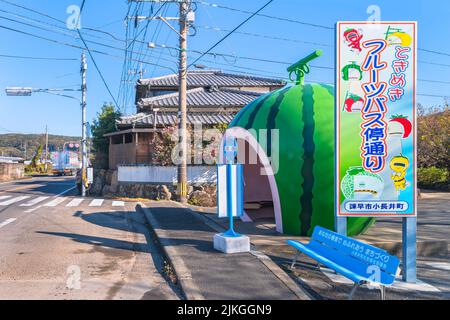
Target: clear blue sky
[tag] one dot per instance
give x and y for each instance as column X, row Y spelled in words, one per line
column 31, row 114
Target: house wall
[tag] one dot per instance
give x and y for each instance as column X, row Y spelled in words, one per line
column 11, row 171
column 138, row 151
column 121, row 154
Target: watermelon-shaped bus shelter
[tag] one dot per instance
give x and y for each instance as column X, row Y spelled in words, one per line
column 286, row 143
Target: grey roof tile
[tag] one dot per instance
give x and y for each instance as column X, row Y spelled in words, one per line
column 218, row 78
column 147, row 120
column 201, row 97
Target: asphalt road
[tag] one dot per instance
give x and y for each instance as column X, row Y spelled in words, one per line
column 56, row 245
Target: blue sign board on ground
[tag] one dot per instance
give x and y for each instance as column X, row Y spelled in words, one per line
column 230, row 185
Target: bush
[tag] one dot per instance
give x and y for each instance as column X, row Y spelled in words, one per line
column 433, row 178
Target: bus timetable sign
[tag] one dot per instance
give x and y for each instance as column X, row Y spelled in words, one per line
column 376, row 119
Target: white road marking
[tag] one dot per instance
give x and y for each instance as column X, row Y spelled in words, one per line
column 439, row 265
column 64, row 192
column 55, row 202
column 33, row 202
column 96, row 203
column 4, row 197
column 13, row 200
column 6, row 222
column 75, row 202
column 118, row 203
column 33, row 209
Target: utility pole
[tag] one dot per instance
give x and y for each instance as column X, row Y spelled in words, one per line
column 83, row 120
column 141, row 71
column 182, row 113
column 46, row 148
column 186, row 19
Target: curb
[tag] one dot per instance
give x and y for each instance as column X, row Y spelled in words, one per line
column 189, row 288
column 272, row 266
column 425, row 248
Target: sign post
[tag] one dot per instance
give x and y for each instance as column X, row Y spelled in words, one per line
column 376, row 127
column 230, row 199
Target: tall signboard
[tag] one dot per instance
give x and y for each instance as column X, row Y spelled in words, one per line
column 376, row 121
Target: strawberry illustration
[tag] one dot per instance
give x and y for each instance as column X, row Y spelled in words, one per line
column 404, row 122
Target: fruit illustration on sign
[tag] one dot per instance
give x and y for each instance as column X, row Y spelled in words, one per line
column 400, row 124
column 359, row 184
column 353, row 103
column 352, row 71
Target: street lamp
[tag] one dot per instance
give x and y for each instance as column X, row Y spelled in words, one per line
column 18, row 91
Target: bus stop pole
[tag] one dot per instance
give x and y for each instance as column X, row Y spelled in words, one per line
column 409, row 234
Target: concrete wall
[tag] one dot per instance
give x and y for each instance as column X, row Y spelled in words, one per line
column 11, row 171
column 157, row 174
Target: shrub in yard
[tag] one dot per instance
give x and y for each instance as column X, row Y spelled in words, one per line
column 434, row 178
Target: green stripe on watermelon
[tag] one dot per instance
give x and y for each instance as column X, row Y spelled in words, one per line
column 255, row 111
column 289, row 178
column 308, row 159
column 270, row 125
column 323, row 171
column 243, row 115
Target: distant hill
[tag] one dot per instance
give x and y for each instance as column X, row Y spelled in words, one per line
column 14, row 145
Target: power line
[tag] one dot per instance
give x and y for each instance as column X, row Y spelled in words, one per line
column 434, row 81
column 38, row 58
column 231, row 32
column 217, row 54
column 98, row 69
column 212, row 28
column 259, row 35
column 432, row 95
column 158, row 65
column 79, row 47
column 264, row 15
column 298, row 22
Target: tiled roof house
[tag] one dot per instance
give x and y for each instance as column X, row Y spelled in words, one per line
column 213, row 97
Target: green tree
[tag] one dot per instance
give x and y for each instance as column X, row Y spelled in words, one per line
column 103, row 124
column 434, row 137
column 37, row 157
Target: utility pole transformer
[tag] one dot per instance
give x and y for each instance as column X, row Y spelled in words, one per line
column 83, row 120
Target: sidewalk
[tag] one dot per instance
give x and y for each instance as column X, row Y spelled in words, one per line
column 204, row 273
column 433, row 263
column 433, row 230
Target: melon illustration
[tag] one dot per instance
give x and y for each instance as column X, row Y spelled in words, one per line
column 359, row 184
column 303, row 172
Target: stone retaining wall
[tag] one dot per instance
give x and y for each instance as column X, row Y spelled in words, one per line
column 106, row 184
column 11, row 171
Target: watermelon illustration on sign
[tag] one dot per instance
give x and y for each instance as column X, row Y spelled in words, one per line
column 400, row 125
